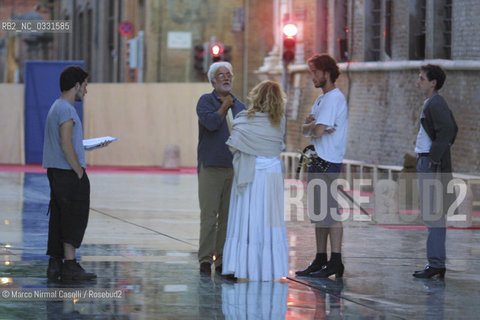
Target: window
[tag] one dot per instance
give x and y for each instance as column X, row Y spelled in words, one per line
column 433, row 37
column 447, row 32
column 341, row 29
column 418, row 11
column 373, row 27
column 388, row 27
column 321, row 23
column 331, row 29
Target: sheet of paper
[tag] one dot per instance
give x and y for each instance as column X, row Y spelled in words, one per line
column 95, row 142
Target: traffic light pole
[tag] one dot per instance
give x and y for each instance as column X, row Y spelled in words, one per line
column 285, row 77
column 285, row 89
column 140, row 56
column 290, row 31
column 288, row 55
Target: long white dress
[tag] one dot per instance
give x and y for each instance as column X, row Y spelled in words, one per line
column 256, row 245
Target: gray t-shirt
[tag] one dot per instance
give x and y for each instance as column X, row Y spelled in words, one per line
column 53, row 157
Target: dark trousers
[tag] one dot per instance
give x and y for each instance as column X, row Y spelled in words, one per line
column 69, row 208
column 432, row 216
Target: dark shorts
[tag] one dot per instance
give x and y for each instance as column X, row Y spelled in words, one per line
column 321, row 201
column 69, row 209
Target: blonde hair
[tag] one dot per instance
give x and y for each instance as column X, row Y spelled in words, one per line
column 267, row 97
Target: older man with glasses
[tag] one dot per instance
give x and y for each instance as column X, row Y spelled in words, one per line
column 215, row 171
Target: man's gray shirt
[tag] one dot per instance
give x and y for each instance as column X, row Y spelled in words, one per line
column 53, row 157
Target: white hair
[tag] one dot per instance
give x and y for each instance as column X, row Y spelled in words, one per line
column 214, row 67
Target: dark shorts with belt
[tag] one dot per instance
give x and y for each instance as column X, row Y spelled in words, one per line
column 322, row 204
column 69, row 209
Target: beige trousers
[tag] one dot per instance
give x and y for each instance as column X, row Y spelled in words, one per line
column 214, row 185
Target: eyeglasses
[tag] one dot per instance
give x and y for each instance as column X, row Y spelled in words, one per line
column 222, row 76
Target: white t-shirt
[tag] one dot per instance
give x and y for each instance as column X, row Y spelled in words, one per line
column 424, row 143
column 331, row 109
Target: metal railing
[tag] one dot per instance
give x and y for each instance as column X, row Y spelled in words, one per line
column 363, row 169
column 291, row 160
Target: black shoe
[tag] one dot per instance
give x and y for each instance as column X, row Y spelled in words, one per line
column 54, row 268
column 72, row 270
column 329, row 269
column 430, row 272
column 314, row 266
column 205, row 267
column 218, row 271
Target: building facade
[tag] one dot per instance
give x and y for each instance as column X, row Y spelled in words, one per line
column 170, row 30
column 16, row 47
column 380, row 45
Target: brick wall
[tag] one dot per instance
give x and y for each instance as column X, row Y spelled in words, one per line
column 400, row 30
column 358, row 31
column 466, row 29
column 384, row 105
column 461, row 92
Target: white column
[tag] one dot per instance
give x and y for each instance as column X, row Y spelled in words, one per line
column 273, row 62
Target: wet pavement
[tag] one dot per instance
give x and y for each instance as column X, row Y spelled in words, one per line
column 142, row 240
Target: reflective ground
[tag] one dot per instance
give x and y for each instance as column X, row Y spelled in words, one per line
column 142, row 238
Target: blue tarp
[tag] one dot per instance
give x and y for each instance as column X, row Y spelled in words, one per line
column 41, row 90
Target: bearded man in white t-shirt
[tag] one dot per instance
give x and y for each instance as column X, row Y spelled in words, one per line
column 327, row 127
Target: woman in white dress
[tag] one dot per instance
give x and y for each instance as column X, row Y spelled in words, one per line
column 256, row 246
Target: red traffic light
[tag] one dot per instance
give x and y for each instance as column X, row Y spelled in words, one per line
column 216, row 49
column 290, row 30
column 289, row 43
column 199, row 58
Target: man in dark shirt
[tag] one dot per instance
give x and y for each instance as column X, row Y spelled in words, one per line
column 437, row 133
column 215, row 172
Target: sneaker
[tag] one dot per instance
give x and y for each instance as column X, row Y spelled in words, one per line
column 54, row 268
column 72, row 270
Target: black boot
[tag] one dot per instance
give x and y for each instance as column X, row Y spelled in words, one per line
column 54, row 268
column 72, row 270
column 329, row 269
column 334, row 266
column 316, row 265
